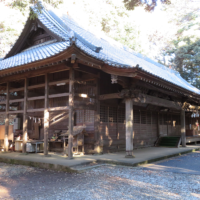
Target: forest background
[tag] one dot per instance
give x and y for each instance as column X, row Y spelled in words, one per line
column 163, row 30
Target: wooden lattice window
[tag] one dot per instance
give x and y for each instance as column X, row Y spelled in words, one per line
column 154, row 118
column 178, row 120
column 165, row 117
column 89, row 116
column 187, row 121
column 148, row 118
column 79, row 116
column 121, row 115
column 169, row 121
column 161, row 119
column 2, row 98
column 104, row 113
column 143, row 117
column 112, row 114
column 136, row 116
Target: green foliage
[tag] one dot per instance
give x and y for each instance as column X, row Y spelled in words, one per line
column 23, row 5
column 2, row 27
column 13, row 15
column 186, row 60
column 149, row 5
column 184, row 48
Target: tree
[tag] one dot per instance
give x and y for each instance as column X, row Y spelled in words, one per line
column 184, row 48
column 11, row 24
column 23, row 5
column 187, row 61
column 149, row 5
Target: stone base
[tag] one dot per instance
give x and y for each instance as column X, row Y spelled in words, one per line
column 47, row 155
column 98, row 149
column 69, row 158
column 24, row 154
column 5, row 152
column 129, row 154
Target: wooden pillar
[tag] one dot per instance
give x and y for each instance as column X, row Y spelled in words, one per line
column 25, row 117
column 183, row 137
column 46, row 115
column 71, row 115
column 129, row 128
column 158, row 125
column 98, row 148
column 7, row 119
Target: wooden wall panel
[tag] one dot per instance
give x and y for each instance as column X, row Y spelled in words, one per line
column 113, row 134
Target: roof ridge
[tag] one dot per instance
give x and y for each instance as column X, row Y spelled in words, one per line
column 45, row 14
column 64, row 24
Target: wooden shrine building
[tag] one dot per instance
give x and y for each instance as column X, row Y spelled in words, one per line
column 58, row 76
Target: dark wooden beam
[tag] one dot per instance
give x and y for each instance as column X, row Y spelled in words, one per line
column 35, row 98
column 88, row 70
column 38, row 72
column 16, row 89
column 16, row 100
column 59, row 82
column 147, row 99
column 36, row 110
column 143, row 98
column 16, row 111
column 58, row 95
column 59, row 108
column 109, row 96
column 156, row 88
column 36, row 86
column 127, row 72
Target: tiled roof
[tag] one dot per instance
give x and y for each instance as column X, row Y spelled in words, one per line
column 104, row 49
column 33, row 54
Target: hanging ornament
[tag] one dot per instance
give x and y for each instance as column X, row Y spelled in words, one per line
column 197, row 113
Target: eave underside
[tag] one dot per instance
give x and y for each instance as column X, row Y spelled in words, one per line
column 128, row 73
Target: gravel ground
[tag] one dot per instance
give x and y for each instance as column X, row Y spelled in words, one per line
column 106, row 182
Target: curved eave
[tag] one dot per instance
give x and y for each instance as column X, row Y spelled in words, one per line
column 137, row 71
column 147, row 77
column 56, row 56
column 89, row 60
